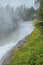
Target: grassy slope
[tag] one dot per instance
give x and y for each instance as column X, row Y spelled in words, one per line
column 31, row 53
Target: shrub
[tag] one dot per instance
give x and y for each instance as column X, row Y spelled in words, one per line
column 38, row 24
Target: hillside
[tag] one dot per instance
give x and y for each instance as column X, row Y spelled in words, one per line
column 31, row 53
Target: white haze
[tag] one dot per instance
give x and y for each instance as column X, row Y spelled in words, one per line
column 16, row 3
column 8, row 17
column 8, row 22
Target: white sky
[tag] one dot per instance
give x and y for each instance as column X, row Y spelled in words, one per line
column 16, row 3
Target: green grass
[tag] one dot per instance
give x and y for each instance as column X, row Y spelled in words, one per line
column 31, row 53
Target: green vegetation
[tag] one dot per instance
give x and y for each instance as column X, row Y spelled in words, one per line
column 41, row 10
column 25, row 13
column 39, row 25
column 31, row 53
column 40, row 14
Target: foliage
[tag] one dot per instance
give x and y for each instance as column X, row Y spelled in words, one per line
column 31, row 53
column 38, row 24
column 41, row 9
column 25, row 13
column 40, row 2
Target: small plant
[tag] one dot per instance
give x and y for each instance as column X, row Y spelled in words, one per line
column 39, row 25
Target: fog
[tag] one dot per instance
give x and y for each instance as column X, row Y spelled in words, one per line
column 8, row 22
column 17, row 3
column 15, row 22
column 11, row 13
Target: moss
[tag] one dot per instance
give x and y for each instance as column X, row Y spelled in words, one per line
column 39, row 25
column 32, row 53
